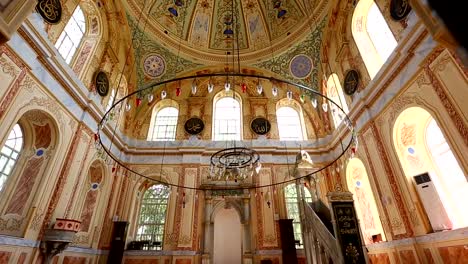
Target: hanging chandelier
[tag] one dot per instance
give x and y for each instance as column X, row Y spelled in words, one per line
column 235, row 167
column 234, row 164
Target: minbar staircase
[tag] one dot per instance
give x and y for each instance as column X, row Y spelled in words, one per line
column 321, row 245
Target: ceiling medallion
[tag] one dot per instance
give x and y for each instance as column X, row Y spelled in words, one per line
column 300, row 66
column 154, row 65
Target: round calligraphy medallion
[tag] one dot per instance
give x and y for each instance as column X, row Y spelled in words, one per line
column 351, row 82
column 50, row 10
column 154, row 66
column 300, row 66
column 260, row 126
column 102, row 83
column 399, row 9
column 194, row 126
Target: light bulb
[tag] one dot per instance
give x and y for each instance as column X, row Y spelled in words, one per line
column 302, row 98
column 274, row 91
column 210, row 87
column 163, row 94
column 150, row 98
column 227, row 86
column 259, row 88
column 325, row 107
column 289, row 94
column 128, row 107
column 258, row 167
column 314, row 102
column 194, row 88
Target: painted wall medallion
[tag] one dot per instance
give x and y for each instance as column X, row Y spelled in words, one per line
column 351, row 82
column 301, row 66
column 260, row 126
column 399, row 9
column 50, row 10
column 194, row 126
column 102, row 83
column 154, row 65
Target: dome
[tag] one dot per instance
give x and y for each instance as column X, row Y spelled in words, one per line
column 205, row 30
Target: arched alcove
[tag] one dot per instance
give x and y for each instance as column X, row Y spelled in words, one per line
column 227, row 237
column 364, row 200
column 26, row 178
column 421, row 147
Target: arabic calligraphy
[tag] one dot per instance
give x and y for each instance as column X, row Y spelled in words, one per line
column 399, row 9
column 194, row 126
column 260, row 126
column 351, row 82
column 102, row 83
column 50, row 10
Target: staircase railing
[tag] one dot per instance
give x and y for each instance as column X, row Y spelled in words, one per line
column 322, row 245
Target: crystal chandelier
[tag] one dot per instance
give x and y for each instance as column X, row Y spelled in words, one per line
column 234, row 164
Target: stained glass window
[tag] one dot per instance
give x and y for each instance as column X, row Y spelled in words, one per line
column 292, row 207
column 153, row 215
column 70, row 39
column 10, row 153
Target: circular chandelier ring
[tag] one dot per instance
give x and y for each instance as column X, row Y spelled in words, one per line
column 226, row 187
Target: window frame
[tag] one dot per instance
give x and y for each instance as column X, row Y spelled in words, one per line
column 8, row 158
column 297, row 108
column 295, row 201
column 161, row 200
column 74, row 24
column 226, row 137
column 154, row 123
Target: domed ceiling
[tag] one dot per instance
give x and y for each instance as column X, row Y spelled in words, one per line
column 203, row 31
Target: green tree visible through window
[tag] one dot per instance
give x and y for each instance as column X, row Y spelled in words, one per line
column 153, row 214
column 292, row 207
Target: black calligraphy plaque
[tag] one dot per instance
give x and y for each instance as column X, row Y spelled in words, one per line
column 102, row 83
column 50, row 10
column 194, row 126
column 260, row 126
column 348, row 232
column 351, row 82
column 399, row 9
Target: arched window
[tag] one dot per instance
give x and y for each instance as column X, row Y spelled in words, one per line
column 289, row 124
column 10, row 153
column 422, row 148
column 335, row 93
column 227, row 118
column 291, row 198
column 372, row 35
column 366, row 207
column 163, row 124
column 153, row 215
column 71, row 37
